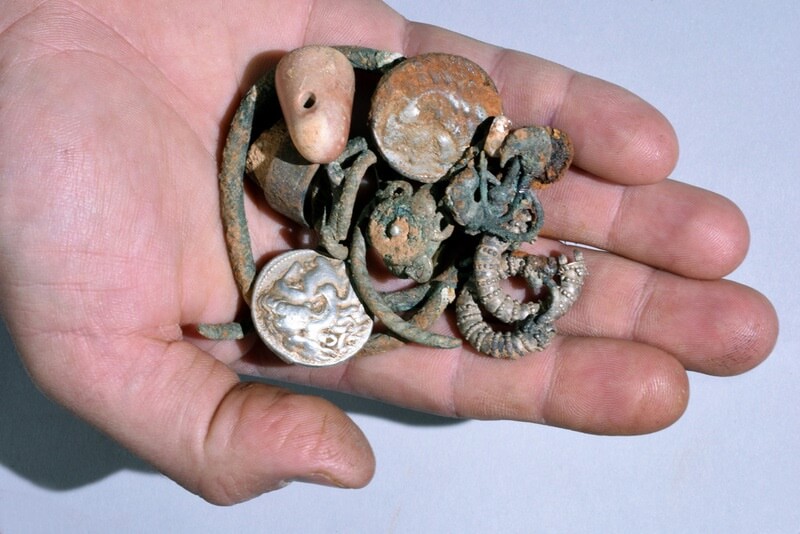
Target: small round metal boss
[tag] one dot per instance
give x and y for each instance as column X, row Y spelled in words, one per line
column 425, row 112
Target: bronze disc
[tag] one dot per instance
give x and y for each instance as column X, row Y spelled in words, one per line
column 425, row 112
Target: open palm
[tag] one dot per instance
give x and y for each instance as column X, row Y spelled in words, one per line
column 111, row 242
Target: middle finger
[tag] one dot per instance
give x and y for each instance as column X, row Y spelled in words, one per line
column 669, row 225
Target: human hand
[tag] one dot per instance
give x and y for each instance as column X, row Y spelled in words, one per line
column 113, row 116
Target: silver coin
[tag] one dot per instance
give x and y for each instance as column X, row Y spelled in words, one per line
column 306, row 311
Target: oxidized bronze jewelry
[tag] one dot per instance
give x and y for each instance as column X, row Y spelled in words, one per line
column 454, row 198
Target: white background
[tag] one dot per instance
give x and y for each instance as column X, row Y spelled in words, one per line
column 727, row 74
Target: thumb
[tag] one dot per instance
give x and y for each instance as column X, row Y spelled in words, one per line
column 192, row 418
column 263, row 437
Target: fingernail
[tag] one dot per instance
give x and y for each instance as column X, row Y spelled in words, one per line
column 321, row 479
column 280, row 485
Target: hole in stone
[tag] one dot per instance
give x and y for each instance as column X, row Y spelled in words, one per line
column 309, row 99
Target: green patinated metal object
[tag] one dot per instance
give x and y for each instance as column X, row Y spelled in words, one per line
column 451, row 194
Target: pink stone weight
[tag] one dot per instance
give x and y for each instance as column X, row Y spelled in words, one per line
column 315, row 87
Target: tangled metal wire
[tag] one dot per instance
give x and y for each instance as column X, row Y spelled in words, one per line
column 451, row 195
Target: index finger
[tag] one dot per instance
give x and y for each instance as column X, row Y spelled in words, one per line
column 617, row 135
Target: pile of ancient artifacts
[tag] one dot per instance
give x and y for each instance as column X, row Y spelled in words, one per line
column 450, row 196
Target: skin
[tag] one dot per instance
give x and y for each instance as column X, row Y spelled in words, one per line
column 113, row 116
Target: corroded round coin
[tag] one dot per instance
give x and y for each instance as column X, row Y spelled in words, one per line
column 425, row 112
column 305, row 309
